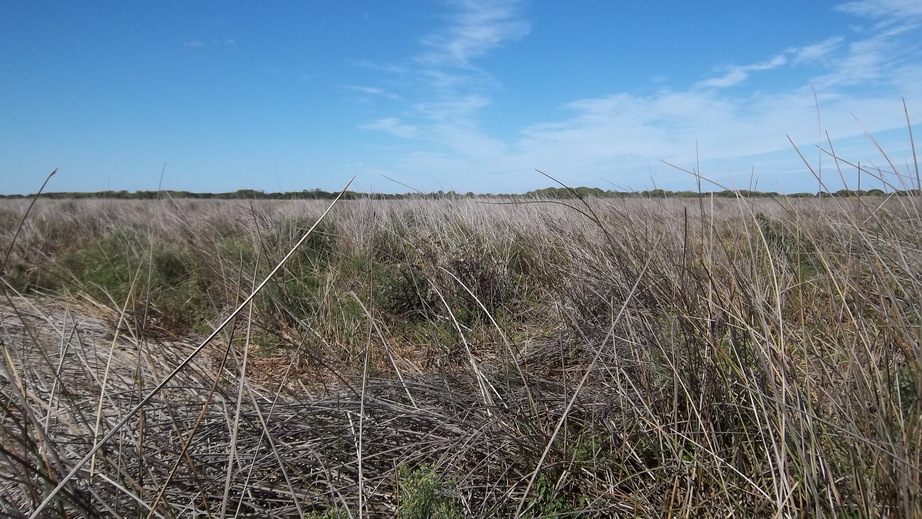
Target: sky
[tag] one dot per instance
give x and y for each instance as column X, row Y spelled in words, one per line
column 458, row 95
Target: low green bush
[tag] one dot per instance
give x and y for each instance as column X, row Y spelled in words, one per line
column 425, row 495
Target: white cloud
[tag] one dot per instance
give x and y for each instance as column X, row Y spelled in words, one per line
column 814, row 52
column 871, row 60
column 624, row 136
column 366, row 90
column 458, row 108
column 704, row 122
column 738, row 74
column 454, row 90
column 372, row 91
column 883, row 8
column 733, row 77
column 393, row 126
column 476, row 27
column 199, row 43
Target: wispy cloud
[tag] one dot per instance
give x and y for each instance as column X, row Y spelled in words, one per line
column 450, row 90
column 883, row 9
column 199, row 43
column 858, row 84
column 738, row 74
column 475, row 28
column 856, row 75
column 876, row 59
column 814, row 52
column 372, row 91
column 393, row 126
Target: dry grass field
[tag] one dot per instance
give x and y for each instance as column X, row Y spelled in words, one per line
column 448, row 358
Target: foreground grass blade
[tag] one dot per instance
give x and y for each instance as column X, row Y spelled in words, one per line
column 121, row 423
column 6, row 257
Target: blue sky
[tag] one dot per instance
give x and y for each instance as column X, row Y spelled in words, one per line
column 464, row 95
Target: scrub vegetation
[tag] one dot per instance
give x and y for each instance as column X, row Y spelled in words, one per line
column 463, row 357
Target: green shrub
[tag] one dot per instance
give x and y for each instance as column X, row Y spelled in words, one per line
column 106, row 269
column 402, row 290
column 332, row 513
column 792, row 245
column 424, row 495
column 153, row 280
column 546, row 501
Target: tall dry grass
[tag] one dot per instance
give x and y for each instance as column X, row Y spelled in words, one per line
column 452, row 358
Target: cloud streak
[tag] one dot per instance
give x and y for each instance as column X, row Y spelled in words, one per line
column 393, row 126
column 889, row 10
column 815, row 52
column 199, row 44
column 739, row 74
column 851, row 81
column 453, row 88
column 475, row 28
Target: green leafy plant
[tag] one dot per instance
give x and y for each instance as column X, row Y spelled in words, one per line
column 424, row 495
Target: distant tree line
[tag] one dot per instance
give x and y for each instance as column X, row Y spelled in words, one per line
column 545, row 193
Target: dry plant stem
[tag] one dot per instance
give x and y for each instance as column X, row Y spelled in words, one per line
column 486, row 387
column 264, row 434
column 912, row 144
column 512, row 354
column 893, row 168
column 588, row 213
column 9, row 250
column 387, row 349
column 48, row 452
column 184, row 451
column 65, row 342
column 579, row 387
column 361, row 434
column 183, row 364
column 105, row 377
column 232, row 455
column 135, row 498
